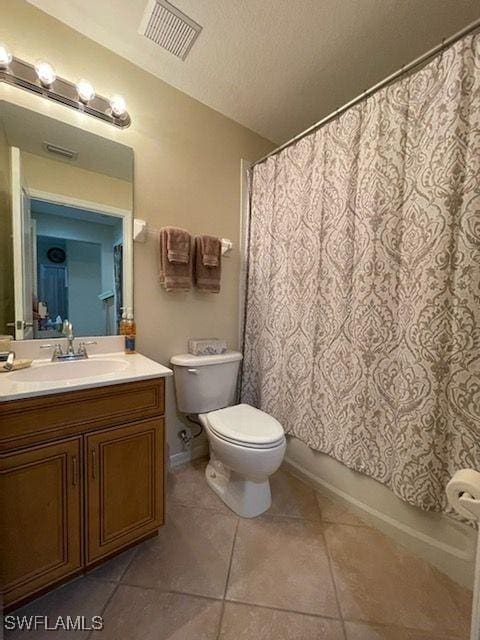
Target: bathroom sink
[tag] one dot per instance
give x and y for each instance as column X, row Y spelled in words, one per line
column 55, row 371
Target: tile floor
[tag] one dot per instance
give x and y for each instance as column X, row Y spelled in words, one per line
column 310, row 569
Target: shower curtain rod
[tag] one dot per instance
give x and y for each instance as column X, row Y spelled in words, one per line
column 446, row 42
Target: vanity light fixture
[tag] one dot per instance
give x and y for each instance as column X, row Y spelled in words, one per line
column 5, row 56
column 42, row 80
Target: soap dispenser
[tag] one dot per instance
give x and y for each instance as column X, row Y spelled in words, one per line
column 130, row 332
column 123, row 322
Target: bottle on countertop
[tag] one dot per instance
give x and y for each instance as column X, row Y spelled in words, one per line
column 130, row 332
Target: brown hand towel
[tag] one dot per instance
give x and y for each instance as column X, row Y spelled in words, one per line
column 174, row 276
column 207, row 278
column 210, row 252
column 178, row 245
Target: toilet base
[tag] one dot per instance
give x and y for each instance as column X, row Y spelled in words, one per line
column 247, row 498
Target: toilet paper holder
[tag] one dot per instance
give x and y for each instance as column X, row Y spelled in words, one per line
column 461, row 492
column 471, row 504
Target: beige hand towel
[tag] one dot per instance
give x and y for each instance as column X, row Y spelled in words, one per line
column 207, row 278
column 210, row 250
column 174, row 276
column 178, row 245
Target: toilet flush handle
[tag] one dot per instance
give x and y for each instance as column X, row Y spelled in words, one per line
column 195, row 371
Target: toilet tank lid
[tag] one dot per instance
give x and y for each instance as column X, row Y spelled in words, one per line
column 188, row 360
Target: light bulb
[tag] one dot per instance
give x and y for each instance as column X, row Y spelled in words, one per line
column 85, row 91
column 118, row 106
column 5, row 56
column 45, row 72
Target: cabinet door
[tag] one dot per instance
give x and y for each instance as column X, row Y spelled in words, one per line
column 124, row 486
column 41, row 505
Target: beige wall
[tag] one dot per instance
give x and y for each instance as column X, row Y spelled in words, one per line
column 187, row 173
column 7, row 312
column 44, row 174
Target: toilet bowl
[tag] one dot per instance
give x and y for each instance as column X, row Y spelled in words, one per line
column 246, row 445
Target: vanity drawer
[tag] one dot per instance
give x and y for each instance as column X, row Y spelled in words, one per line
column 32, row 420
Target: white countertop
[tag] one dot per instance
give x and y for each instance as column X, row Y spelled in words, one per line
column 128, row 368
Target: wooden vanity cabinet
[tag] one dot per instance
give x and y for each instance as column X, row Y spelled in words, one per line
column 80, row 487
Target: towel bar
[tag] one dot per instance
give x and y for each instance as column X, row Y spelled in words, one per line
column 141, row 231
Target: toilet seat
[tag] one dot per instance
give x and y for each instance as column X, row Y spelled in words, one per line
column 246, row 426
column 246, row 445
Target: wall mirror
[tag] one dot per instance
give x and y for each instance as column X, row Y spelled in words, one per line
column 66, row 216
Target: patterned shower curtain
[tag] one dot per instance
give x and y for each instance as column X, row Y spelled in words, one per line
column 362, row 332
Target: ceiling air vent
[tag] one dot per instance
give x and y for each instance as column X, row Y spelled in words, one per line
column 168, row 27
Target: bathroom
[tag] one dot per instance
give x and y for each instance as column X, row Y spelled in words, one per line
column 352, row 536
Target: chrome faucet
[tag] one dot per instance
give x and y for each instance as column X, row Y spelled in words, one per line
column 59, row 355
column 67, row 331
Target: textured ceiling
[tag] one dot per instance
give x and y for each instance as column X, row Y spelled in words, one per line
column 275, row 66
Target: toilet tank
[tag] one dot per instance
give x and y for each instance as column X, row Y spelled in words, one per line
column 205, row 383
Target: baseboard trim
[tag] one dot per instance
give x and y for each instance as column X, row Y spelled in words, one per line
column 177, row 459
column 371, row 511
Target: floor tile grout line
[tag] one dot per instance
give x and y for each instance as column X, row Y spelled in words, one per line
column 320, row 492
column 360, row 524
column 90, row 575
column 277, row 515
column 189, row 594
column 334, row 583
column 220, row 621
column 226, row 600
column 271, row 515
column 104, row 608
column 127, row 566
column 330, row 565
column 272, row 608
column 178, row 503
column 231, row 557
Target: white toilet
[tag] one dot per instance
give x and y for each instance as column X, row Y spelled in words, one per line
column 246, row 444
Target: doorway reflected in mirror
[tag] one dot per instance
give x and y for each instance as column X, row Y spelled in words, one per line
column 78, row 272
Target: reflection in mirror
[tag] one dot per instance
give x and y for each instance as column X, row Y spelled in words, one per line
column 65, row 227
